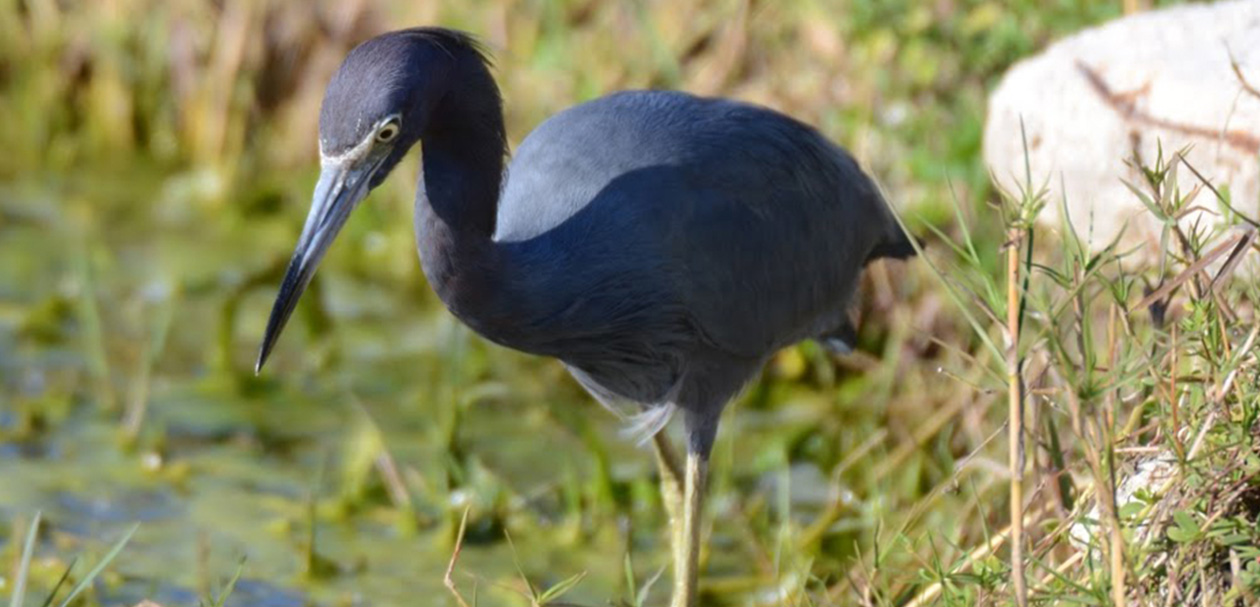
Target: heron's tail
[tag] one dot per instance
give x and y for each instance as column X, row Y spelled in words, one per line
column 896, row 243
column 897, row 246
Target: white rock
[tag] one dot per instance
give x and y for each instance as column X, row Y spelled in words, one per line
column 1157, row 77
column 1151, row 474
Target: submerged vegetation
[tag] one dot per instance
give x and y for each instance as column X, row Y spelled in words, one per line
column 158, row 159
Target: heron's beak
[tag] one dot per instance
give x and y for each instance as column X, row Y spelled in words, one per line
column 340, row 189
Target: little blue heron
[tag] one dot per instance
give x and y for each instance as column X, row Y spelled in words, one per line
column 661, row 245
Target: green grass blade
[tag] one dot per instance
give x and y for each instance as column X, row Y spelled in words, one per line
column 646, row 588
column 109, row 557
column 24, row 568
column 61, row 581
column 628, row 571
column 231, row 585
column 533, row 592
column 965, row 308
column 561, row 588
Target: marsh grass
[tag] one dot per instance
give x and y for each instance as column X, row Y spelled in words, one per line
column 1125, row 366
column 158, row 159
column 22, row 573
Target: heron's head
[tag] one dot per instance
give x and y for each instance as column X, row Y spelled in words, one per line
column 377, row 106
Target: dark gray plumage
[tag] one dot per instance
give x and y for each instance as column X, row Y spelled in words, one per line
column 661, row 245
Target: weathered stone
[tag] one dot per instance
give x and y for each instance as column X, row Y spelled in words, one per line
column 1094, row 100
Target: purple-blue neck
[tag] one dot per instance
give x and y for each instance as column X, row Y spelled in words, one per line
column 463, row 157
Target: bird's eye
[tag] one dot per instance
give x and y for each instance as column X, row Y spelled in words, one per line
column 387, row 132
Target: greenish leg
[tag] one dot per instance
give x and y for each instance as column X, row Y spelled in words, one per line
column 682, row 490
column 687, row 556
column 672, row 488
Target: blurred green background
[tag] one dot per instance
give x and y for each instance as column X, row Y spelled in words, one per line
column 156, row 162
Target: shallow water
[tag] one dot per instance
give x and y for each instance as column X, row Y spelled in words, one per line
column 104, row 308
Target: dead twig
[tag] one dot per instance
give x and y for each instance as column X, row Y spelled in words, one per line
column 1242, row 80
column 449, row 579
column 1015, row 412
column 1127, row 109
column 1234, row 247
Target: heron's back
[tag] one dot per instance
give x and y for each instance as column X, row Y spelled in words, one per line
column 674, row 222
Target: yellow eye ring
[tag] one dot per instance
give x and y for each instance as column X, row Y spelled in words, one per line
column 387, row 132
